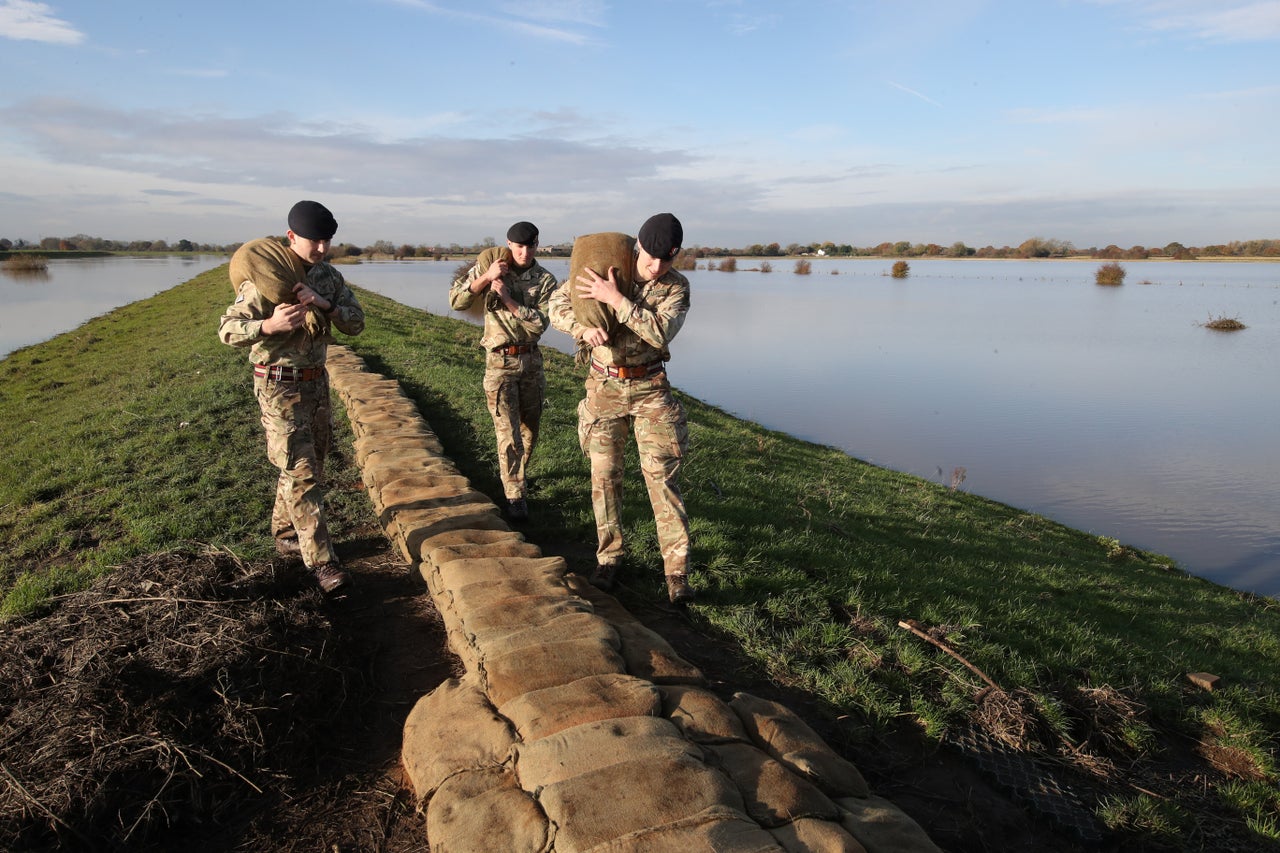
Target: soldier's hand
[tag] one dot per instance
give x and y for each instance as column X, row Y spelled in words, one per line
column 285, row 318
column 307, row 296
column 592, row 286
column 595, row 337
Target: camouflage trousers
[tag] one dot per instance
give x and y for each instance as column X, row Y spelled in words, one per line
column 646, row 406
column 297, row 418
column 514, row 386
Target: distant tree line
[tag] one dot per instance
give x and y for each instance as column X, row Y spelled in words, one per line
column 1035, row 247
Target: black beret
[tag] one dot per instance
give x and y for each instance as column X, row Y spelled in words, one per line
column 312, row 220
column 661, row 236
column 524, row 233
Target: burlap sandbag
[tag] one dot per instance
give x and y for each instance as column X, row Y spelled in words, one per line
column 773, row 794
column 701, row 715
column 547, row 665
column 600, row 253
column 483, row 261
column 571, row 626
column 718, row 829
column 650, row 656
column 591, row 746
column 452, row 728
column 482, row 811
column 603, row 805
column 274, row 270
column 647, row 653
column 515, row 613
column 459, row 573
column 542, row 713
column 882, row 827
column 807, row 834
column 784, row 736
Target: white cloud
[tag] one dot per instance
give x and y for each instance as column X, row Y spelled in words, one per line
column 1212, row 20
column 24, row 20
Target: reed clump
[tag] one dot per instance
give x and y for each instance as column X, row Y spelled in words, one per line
column 1223, row 324
column 25, row 263
column 728, row 265
column 1111, row 274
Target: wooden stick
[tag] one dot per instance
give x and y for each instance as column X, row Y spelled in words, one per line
column 910, row 626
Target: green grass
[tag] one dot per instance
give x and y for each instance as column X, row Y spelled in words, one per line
column 138, row 433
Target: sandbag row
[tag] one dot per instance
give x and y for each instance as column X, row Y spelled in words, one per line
column 573, row 726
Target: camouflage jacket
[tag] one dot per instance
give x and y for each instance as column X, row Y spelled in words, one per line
column 530, row 289
column 241, row 324
column 648, row 322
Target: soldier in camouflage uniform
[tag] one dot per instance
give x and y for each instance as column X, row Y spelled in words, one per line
column 627, row 386
column 515, row 295
column 292, row 387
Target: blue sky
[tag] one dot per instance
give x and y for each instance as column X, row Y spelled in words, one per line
column 1090, row 121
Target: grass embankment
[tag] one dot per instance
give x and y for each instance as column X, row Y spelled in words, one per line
column 137, row 433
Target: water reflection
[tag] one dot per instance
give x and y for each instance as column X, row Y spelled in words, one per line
column 26, row 276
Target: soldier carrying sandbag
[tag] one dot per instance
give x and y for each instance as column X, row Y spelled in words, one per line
column 287, row 298
column 624, row 311
column 516, row 290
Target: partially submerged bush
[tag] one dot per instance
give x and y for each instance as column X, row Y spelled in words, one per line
column 901, row 269
column 729, row 265
column 25, row 263
column 1110, row 274
column 803, row 267
column 765, row 266
column 1223, row 324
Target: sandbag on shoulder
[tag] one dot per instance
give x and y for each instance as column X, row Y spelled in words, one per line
column 274, row 270
column 599, row 253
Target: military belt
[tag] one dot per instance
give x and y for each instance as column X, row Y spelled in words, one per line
column 515, row 349
column 284, row 373
column 622, row 371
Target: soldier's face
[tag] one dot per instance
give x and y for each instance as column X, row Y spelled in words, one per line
column 311, row 251
column 648, row 267
column 522, row 253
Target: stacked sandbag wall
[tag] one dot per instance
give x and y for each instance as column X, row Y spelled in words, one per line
column 574, row 727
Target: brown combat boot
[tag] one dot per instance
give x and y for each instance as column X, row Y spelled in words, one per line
column 678, row 589
column 330, row 577
column 604, row 576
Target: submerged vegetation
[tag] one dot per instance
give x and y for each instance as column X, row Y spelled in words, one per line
column 25, row 263
column 898, row 604
column 1111, row 274
column 1223, row 324
column 901, row 269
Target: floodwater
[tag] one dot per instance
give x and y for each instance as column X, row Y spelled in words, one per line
column 1110, row 409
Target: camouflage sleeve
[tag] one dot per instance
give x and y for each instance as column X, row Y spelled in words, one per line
column 533, row 308
column 241, row 323
column 346, row 312
column 660, row 313
column 460, row 294
column 560, row 311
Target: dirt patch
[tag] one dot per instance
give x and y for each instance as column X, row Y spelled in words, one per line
column 192, row 701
